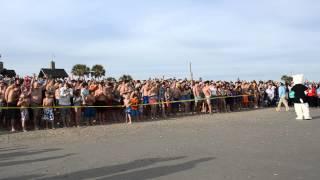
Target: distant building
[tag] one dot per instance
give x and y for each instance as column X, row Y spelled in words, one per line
column 52, row 72
column 6, row 72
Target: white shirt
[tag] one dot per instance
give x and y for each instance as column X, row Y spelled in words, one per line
column 65, row 96
column 270, row 93
column 213, row 91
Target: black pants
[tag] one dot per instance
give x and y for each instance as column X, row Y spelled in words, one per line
column 312, row 100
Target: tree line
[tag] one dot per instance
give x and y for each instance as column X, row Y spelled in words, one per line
column 96, row 71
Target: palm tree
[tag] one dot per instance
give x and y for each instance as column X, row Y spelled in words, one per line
column 88, row 72
column 287, row 79
column 98, row 71
column 111, row 79
column 80, row 70
column 125, row 77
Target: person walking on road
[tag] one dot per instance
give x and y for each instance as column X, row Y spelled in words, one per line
column 283, row 97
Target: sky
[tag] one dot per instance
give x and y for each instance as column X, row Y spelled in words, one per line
column 224, row 39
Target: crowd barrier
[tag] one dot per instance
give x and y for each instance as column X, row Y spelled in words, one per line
column 122, row 106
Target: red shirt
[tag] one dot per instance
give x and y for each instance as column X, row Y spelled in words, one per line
column 311, row 92
column 134, row 103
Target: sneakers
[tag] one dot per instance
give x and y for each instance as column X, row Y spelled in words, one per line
column 308, row 118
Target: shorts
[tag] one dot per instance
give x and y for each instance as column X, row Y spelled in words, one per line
column 1, row 105
column 48, row 114
column 153, row 100
column 100, row 109
column 197, row 99
column 128, row 110
column 89, row 112
column 185, row 98
column 245, row 99
column 175, row 105
column 13, row 113
column 36, row 111
column 145, row 99
column 214, row 100
column 135, row 113
column 24, row 114
column 229, row 100
column 208, row 99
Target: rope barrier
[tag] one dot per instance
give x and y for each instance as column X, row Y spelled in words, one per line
column 121, row 106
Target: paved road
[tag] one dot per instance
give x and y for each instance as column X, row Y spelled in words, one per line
column 261, row 145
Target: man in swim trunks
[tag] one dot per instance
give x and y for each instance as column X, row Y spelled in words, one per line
column 176, row 94
column 12, row 97
column 3, row 88
column 145, row 98
column 36, row 100
column 197, row 96
column 207, row 93
column 153, row 99
column 101, row 101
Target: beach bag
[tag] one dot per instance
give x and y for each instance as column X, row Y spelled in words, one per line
column 291, row 94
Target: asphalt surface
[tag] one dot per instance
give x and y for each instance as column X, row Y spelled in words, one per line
column 260, row 144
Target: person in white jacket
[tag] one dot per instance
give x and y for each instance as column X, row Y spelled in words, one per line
column 66, row 94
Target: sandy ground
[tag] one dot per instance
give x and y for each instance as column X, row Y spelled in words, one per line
column 260, row 144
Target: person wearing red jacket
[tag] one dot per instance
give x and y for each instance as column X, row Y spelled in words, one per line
column 312, row 95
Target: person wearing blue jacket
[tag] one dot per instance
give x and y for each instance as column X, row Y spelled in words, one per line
column 282, row 97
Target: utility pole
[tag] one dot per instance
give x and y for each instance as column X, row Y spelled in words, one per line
column 191, row 73
column 1, row 63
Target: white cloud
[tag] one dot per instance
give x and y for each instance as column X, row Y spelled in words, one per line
column 155, row 38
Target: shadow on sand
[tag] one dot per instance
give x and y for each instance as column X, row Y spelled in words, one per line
column 9, row 154
column 129, row 171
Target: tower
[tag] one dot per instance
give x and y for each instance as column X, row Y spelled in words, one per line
column 52, row 65
column 1, row 63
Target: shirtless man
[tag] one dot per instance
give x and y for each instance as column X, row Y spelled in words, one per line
column 197, row 97
column 48, row 115
column 207, row 93
column 213, row 89
column 145, row 93
column 101, row 100
column 153, row 99
column 108, row 91
column 57, row 87
column 128, row 88
column 36, row 100
column 128, row 110
column 12, row 95
column 24, row 103
column 145, row 98
column 50, row 87
column 3, row 88
column 90, row 112
column 176, row 94
column 122, row 88
column 162, row 90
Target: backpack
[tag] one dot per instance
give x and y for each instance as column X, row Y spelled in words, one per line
column 291, row 94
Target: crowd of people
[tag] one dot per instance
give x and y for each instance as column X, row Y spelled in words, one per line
column 33, row 103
